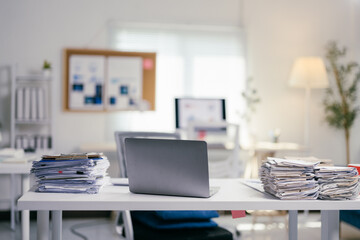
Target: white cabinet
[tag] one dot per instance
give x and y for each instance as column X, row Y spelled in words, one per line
column 31, row 122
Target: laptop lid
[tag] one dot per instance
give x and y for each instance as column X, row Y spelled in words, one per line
column 167, row 167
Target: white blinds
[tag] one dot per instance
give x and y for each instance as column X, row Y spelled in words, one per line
column 193, row 61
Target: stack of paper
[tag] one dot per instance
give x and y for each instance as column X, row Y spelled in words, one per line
column 321, row 161
column 71, row 173
column 289, row 179
column 338, row 183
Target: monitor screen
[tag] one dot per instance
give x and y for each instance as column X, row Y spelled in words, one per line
column 199, row 110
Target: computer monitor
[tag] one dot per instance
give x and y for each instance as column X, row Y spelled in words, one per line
column 199, row 110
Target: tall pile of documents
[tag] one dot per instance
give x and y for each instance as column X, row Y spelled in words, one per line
column 321, row 162
column 289, row 179
column 337, row 183
column 71, row 173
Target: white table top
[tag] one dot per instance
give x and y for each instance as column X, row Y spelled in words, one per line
column 15, row 168
column 279, row 146
column 111, row 147
column 233, row 195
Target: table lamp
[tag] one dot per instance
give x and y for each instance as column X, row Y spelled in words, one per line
column 308, row 72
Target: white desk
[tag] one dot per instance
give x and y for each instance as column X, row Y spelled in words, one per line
column 22, row 169
column 261, row 150
column 233, row 195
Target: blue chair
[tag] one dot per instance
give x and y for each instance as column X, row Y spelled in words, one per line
column 351, row 217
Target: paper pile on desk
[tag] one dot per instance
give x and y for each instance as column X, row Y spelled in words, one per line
column 321, row 161
column 71, row 173
column 337, row 183
column 289, row 179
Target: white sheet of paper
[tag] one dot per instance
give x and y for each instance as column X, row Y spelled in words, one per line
column 124, row 82
column 88, row 71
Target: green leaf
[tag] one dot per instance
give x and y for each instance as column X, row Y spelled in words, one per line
column 340, row 98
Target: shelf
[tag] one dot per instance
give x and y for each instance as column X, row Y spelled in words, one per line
column 31, row 101
column 33, row 122
column 33, row 78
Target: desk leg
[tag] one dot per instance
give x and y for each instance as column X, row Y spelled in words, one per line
column 249, row 165
column 330, row 225
column 12, row 199
column 293, row 222
column 42, row 225
column 25, row 214
column 128, row 225
column 56, row 225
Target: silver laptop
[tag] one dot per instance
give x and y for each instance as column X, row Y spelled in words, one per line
column 168, row 167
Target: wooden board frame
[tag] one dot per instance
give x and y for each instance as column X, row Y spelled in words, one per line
column 149, row 75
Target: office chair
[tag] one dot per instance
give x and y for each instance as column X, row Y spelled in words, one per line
column 133, row 229
column 221, row 137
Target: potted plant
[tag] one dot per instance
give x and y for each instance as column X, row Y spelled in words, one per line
column 340, row 99
column 46, row 69
column 252, row 99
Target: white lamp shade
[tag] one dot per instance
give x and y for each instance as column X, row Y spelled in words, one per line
column 309, row 72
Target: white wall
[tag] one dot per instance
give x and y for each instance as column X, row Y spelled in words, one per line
column 32, row 31
column 278, row 31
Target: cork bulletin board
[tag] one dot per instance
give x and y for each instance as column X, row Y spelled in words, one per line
column 105, row 80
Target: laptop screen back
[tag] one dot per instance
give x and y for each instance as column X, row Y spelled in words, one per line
column 167, row 167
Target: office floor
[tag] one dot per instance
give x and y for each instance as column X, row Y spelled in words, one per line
column 264, row 228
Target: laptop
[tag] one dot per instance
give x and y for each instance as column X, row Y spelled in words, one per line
column 168, row 167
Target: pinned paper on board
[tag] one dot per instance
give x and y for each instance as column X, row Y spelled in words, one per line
column 86, row 80
column 148, row 64
column 124, row 86
column 107, row 80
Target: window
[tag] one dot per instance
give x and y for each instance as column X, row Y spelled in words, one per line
column 191, row 61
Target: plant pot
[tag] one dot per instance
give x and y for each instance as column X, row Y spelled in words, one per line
column 46, row 73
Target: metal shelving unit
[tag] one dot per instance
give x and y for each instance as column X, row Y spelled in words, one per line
column 31, row 128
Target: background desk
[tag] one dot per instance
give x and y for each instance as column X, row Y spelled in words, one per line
column 233, row 195
column 217, row 153
column 13, row 169
column 262, row 150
